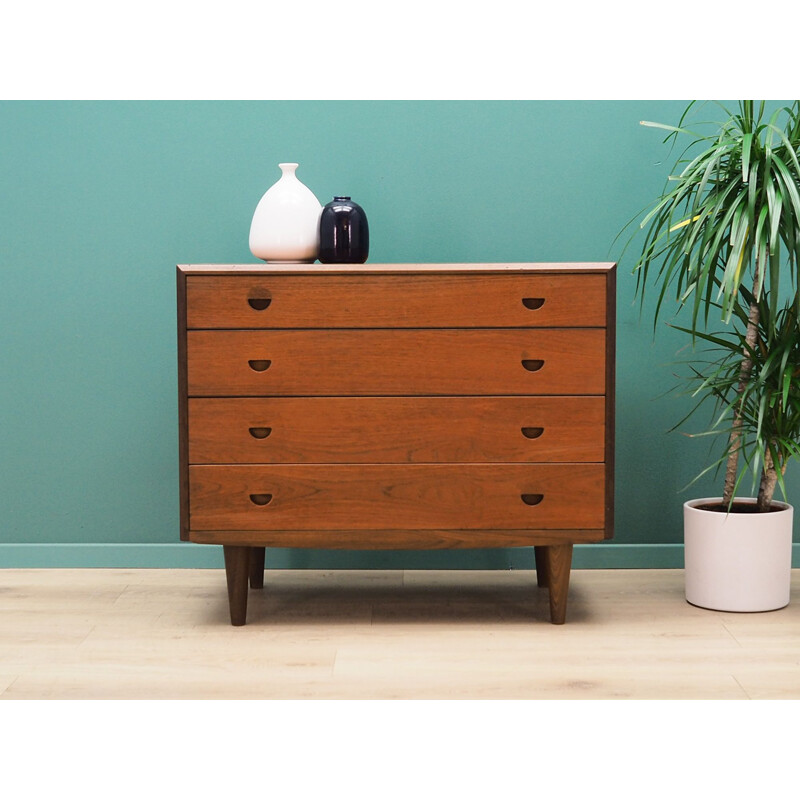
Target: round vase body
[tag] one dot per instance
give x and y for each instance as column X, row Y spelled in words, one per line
column 285, row 226
column 343, row 233
column 737, row 561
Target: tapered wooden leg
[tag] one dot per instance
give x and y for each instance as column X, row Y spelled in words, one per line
column 540, row 554
column 237, row 566
column 257, row 567
column 559, row 563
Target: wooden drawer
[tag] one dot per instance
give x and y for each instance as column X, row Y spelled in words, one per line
column 409, row 496
column 404, row 301
column 331, row 430
column 396, row 362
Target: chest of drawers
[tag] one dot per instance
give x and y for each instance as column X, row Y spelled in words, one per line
column 396, row 406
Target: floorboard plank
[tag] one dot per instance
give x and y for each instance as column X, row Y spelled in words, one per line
column 364, row 634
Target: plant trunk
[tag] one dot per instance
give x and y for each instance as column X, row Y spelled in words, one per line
column 736, row 430
column 769, row 479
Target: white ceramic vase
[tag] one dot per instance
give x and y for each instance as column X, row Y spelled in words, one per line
column 285, row 226
column 737, row 562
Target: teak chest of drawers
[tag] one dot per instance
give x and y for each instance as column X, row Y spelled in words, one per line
column 396, row 406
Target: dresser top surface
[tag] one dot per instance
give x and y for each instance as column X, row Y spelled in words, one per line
column 365, row 269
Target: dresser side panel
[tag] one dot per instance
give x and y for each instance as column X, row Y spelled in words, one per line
column 183, row 409
column 611, row 360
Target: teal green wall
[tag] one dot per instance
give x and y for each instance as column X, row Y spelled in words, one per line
column 100, row 200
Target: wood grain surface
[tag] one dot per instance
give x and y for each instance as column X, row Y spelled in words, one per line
column 323, row 271
column 396, row 362
column 386, row 539
column 183, row 406
column 559, row 562
column 329, row 430
column 396, row 301
column 370, row 634
column 396, row 407
column 237, row 572
column 406, row 496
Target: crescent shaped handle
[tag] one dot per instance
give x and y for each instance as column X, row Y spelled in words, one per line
column 532, row 364
column 532, row 499
column 532, row 433
column 260, row 364
column 259, row 303
column 261, row 499
column 533, row 302
column 260, row 433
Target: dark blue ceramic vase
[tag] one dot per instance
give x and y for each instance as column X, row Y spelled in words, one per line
column 343, row 233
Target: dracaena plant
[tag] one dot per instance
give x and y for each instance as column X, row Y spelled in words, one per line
column 724, row 239
column 767, row 403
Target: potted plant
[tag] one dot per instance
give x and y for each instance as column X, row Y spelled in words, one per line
column 725, row 238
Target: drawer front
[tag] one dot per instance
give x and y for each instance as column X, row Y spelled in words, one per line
column 405, row 301
column 388, row 497
column 395, row 429
column 396, row 362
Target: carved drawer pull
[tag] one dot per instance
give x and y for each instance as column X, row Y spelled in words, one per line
column 261, row 499
column 533, row 302
column 532, row 364
column 532, row 433
column 532, row 499
column 259, row 365
column 259, row 303
column 260, row 433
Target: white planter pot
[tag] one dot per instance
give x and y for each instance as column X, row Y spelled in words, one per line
column 285, row 226
column 737, row 562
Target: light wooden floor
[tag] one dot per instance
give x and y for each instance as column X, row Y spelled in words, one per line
column 158, row 634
